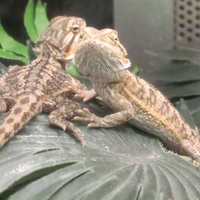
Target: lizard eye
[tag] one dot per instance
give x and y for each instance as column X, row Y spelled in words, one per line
column 75, row 29
column 115, row 37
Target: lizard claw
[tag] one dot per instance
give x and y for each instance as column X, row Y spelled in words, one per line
column 88, row 117
column 85, row 115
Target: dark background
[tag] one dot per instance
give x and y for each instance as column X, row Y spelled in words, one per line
column 97, row 13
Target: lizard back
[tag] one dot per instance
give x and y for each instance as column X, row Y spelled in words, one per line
column 134, row 100
column 41, row 85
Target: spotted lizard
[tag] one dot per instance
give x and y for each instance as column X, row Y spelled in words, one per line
column 101, row 57
column 43, row 85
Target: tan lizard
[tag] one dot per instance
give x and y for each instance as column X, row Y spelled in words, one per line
column 43, row 85
column 101, row 57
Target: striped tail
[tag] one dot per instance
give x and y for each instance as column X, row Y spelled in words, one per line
column 27, row 106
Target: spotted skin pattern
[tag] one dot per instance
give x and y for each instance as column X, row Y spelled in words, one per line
column 43, row 85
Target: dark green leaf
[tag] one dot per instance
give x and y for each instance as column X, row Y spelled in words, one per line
column 31, row 167
column 124, row 163
column 29, row 19
column 48, row 185
column 181, row 90
column 41, row 21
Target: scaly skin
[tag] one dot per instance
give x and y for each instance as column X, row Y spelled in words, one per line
column 42, row 85
column 102, row 58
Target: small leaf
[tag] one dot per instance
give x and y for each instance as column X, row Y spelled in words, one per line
column 136, row 69
column 41, row 21
column 9, row 44
column 72, row 69
column 12, row 56
column 29, row 21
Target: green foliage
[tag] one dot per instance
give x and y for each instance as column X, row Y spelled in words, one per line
column 10, row 48
column 35, row 21
column 72, row 69
column 136, row 69
column 43, row 162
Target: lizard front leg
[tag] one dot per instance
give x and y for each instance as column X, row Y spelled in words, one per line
column 67, row 110
column 110, row 120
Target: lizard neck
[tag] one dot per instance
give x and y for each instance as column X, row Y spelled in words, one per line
column 106, row 78
column 99, row 65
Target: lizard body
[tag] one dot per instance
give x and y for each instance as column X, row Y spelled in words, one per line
column 101, row 57
column 42, row 85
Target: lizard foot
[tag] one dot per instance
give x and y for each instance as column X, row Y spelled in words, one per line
column 88, row 117
column 64, row 124
column 196, row 163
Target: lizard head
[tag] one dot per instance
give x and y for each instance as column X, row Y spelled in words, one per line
column 100, row 53
column 61, row 36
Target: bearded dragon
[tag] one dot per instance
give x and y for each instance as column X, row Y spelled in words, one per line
column 101, row 57
column 43, row 85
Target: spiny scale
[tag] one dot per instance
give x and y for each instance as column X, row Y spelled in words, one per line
column 42, row 85
column 134, row 100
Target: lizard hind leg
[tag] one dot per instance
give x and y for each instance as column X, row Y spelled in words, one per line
column 26, row 107
column 58, row 118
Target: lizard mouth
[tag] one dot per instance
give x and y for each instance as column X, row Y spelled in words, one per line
column 70, row 53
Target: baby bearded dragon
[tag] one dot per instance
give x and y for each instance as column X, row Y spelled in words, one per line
column 42, row 85
column 102, row 58
column 61, row 36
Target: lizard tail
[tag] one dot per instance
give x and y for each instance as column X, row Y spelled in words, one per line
column 26, row 107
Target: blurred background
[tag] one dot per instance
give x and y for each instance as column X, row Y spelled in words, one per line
column 142, row 25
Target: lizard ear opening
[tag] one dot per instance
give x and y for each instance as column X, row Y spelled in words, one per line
column 126, row 63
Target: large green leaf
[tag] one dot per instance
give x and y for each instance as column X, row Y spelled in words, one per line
column 41, row 21
column 29, row 19
column 43, row 162
column 12, row 56
column 11, row 45
column 51, row 183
